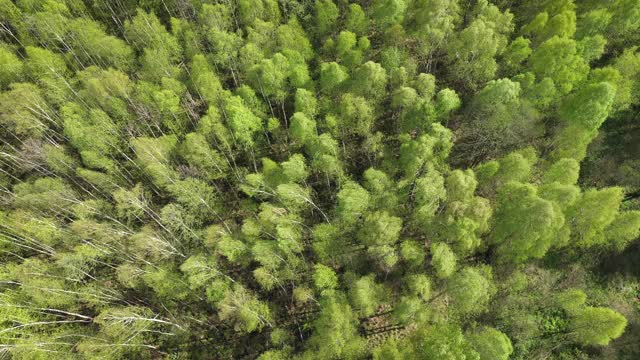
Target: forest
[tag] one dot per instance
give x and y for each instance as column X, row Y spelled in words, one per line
column 320, row 179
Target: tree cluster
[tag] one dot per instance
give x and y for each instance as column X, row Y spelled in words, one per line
column 328, row 179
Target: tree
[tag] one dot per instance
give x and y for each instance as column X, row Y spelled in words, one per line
column 303, row 129
column 380, row 228
column 145, row 30
column 356, row 20
column 244, row 310
column 588, row 220
column 558, row 59
column 571, row 141
column 517, row 166
column 388, row 12
column 556, row 22
column 597, row 325
column 525, row 224
column 499, row 119
column 306, row 102
column 432, row 147
column 588, row 107
column 270, row 76
column 439, row 342
column 326, row 16
column 335, row 333
column 419, row 285
column 205, row 80
column 12, row 69
column 131, row 204
column 429, row 194
column 433, row 22
column 324, row 278
column 516, row 53
column 366, row 295
column 267, row 10
column 591, row 48
column 443, row 260
column 345, row 48
column 470, row 289
column 380, row 187
column 108, row 90
column 564, row 171
column 627, row 90
column 447, row 101
column 92, row 46
column 353, row 200
column 461, row 185
column 243, row 123
column 24, row 111
column 197, row 198
column 490, row 344
column 93, row 134
column 154, row 155
column 472, row 52
column 413, row 253
column 369, row 80
column 118, row 325
column 623, row 229
column 198, row 154
column 332, row 75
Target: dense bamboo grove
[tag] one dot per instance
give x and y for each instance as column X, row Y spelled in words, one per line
column 328, row 179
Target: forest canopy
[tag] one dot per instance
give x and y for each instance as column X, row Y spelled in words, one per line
column 319, row 179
